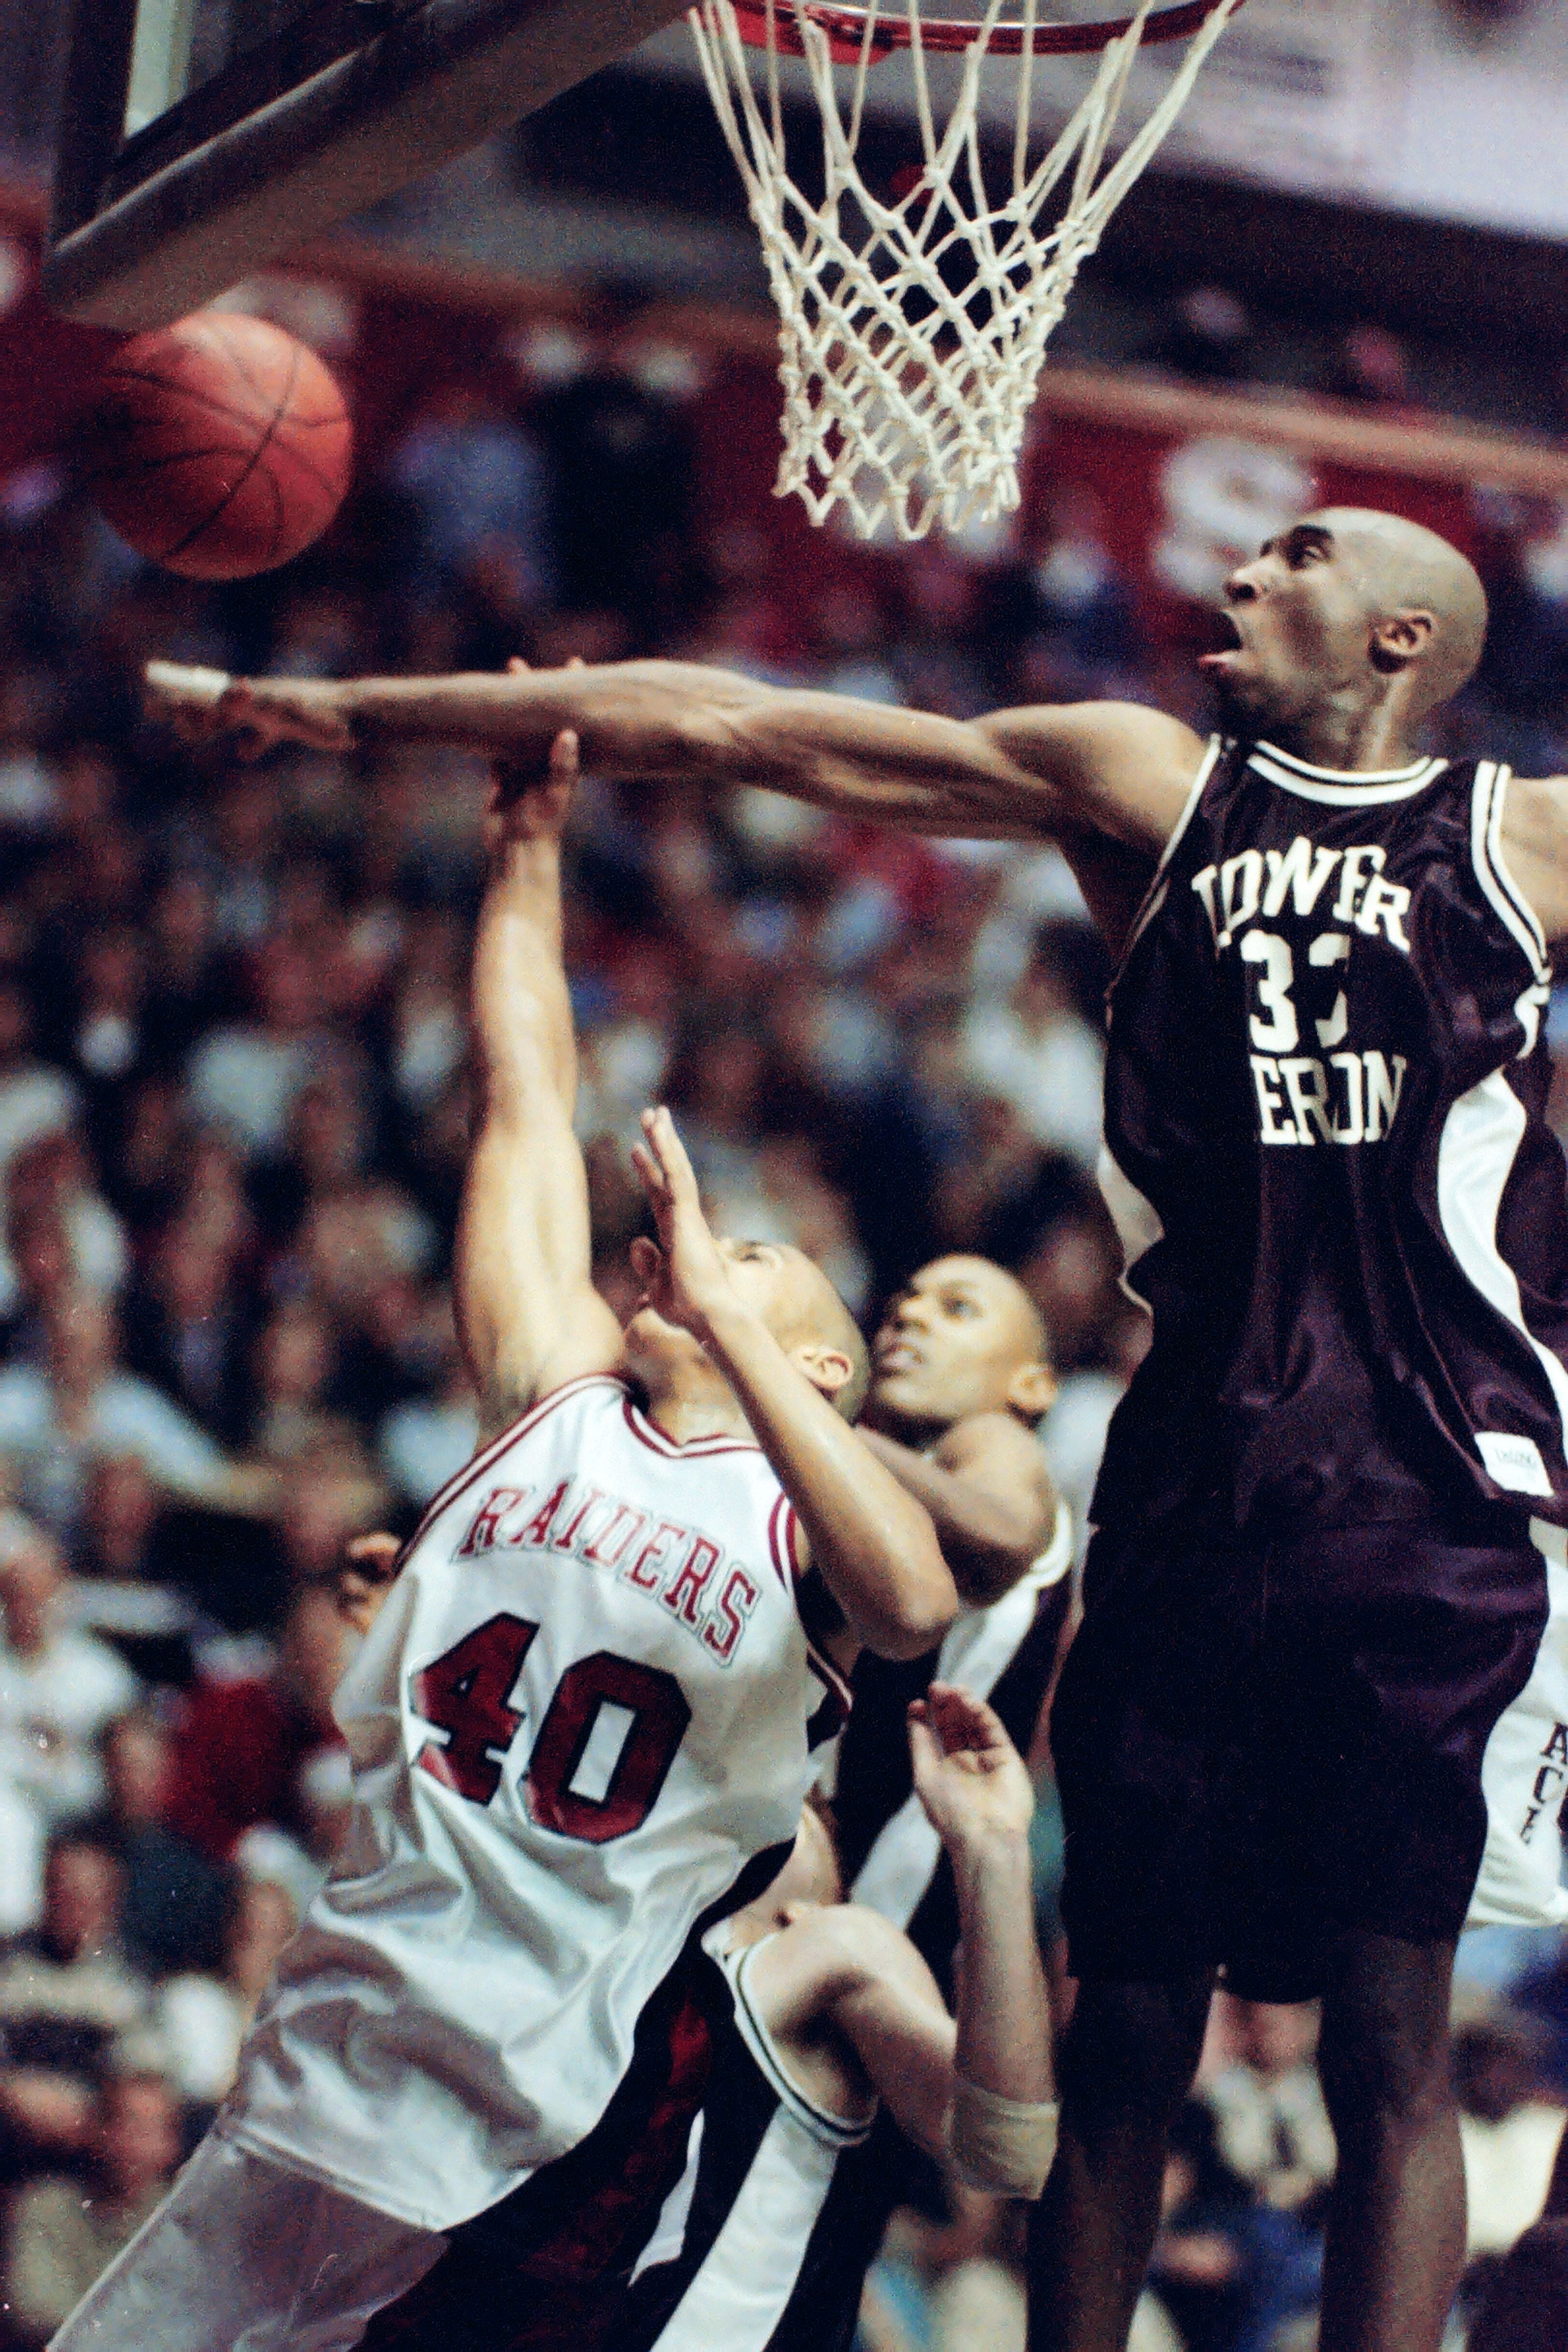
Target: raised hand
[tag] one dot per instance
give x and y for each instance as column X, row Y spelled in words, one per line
column 204, row 706
column 533, row 808
column 684, row 1273
column 968, row 1775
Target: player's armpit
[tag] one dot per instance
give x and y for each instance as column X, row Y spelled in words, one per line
column 845, row 1967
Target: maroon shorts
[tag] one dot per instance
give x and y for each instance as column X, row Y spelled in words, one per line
column 1260, row 1744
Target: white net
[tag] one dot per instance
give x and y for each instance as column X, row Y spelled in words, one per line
column 913, row 330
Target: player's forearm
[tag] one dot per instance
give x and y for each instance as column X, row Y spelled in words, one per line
column 520, row 1003
column 986, row 1540
column 873, row 1543
column 653, row 719
column 1003, row 2010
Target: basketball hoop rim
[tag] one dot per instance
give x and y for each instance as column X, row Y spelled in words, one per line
column 845, row 29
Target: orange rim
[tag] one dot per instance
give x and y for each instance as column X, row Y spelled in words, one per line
column 847, row 36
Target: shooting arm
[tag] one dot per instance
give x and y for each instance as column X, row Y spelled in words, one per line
column 870, row 1541
column 528, row 1314
column 989, row 1496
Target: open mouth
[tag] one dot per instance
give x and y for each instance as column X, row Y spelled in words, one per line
column 1228, row 642
column 896, row 1356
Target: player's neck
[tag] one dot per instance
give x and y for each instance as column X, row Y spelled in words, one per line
column 1348, row 740
column 684, row 1414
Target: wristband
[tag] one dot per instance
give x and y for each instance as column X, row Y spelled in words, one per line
column 1005, row 2145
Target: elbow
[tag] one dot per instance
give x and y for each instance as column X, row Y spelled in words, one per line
column 923, row 1604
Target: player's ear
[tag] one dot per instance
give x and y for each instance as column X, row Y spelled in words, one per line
column 1401, row 638
column 1032, row 1391
column 827, row 1367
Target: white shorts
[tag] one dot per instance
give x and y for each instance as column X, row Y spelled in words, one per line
column 244, row 2255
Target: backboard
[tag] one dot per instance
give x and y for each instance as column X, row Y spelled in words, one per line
column 202, row 138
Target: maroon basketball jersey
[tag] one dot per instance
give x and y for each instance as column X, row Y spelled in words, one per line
column 1328, row 1158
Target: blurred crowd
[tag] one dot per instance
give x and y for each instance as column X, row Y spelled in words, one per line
column 233, row 1121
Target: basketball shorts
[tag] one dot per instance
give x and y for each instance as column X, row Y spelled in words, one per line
column 244, row 2255
column 1260, row 1744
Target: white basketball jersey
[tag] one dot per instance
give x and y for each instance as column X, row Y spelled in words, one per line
column 585, row 1706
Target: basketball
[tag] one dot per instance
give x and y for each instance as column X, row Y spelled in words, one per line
column 220, row 447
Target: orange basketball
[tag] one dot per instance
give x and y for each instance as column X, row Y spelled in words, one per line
column 220, row 447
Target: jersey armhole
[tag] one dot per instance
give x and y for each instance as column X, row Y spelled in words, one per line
column 1488, row 795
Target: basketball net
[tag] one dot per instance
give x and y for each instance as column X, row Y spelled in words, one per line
column 913, row 330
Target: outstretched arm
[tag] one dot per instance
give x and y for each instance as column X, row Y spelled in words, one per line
column 990, row 1498
column 871, row 1543
column 1069, row 771
column 528, row 1314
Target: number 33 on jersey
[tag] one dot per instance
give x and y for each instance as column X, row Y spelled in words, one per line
column 587, row 1704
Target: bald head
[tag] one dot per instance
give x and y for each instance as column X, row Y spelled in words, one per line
column 1406, row 568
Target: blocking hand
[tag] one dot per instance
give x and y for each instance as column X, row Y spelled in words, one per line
column 684, row 1273
column 204, row 706
column 968, row 1776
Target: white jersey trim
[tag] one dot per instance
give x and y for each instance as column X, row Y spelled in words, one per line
column 1518, row 917
column 742, row 2288
column 1476, row 1153
column 1524, row 1774
column 1154, row 897
column 1137, row 1221
column 1340, row 788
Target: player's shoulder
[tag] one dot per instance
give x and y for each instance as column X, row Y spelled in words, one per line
column 843, row 1947
column 1166, row 748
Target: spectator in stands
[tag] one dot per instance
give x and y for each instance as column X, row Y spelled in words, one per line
column 1038, row 1054
column 294, row 1358
column 174, row 1898
column 51, row 1184
column 58, row 1685
column 203, row 2018
column 426, row 1441
column 186, row 1328
column 245, row 1077
column 1510, row 2127
column 1271, row 2126
column 67, row 1991
column 55, row 1418
column 244, row 1743
column 108, row 1042
column 479, row 484
column 185, row 995
column 64, row 2231
column 1229, row 2272
column 122, row 1589
column 35, row 1100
